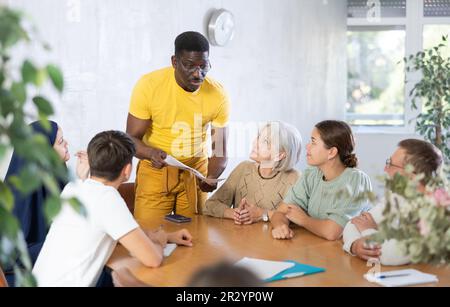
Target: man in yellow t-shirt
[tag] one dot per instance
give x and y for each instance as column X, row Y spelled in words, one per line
column 170, row 112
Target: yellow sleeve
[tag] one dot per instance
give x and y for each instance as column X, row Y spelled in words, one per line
column 223, row 114
column 141, row 100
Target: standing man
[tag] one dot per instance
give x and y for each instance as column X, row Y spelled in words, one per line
column 170, row 112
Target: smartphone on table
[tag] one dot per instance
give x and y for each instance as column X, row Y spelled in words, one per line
column 176, row 218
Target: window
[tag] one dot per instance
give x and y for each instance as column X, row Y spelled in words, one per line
column 380, row 33
column 432, row 36
column 376, row 77
column 367, row 9
column 436, row 8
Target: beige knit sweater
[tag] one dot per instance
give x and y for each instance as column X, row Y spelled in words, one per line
column 245, row 182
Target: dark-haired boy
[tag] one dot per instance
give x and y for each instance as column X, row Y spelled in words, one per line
column 77, row 248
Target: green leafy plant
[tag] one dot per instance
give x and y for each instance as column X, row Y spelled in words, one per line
column 43, row 166
column 433, row 90
column 419, row 219
column 417, row 216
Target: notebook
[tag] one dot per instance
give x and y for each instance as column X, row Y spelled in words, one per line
column 264, row 269
column 297, row 270
column 401, row 278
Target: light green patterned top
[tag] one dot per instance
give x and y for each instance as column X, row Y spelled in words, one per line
column 322, row 199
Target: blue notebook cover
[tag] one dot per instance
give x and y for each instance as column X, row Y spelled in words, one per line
column 296, row 271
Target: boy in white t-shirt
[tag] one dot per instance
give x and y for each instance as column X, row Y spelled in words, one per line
column 77, row 248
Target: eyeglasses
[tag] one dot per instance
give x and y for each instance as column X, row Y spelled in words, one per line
column 389, row 164
column 190, row 68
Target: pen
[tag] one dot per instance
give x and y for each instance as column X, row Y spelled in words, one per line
column 389, row 276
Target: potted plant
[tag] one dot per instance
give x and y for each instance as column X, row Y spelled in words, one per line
column 433, row 90
column 18, row 79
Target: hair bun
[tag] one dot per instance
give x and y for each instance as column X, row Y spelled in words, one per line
column 351, row 161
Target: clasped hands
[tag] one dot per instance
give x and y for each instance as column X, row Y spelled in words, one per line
column 247, row 213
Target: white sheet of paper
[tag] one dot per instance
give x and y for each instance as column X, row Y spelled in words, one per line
column 170, row 247
column 264, row 269
column 414, row 277
column 174, row 162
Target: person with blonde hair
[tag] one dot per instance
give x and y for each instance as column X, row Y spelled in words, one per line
column 256, row 188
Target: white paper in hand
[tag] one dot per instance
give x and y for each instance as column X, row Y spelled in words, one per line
column 175, row 163
column 264, row 269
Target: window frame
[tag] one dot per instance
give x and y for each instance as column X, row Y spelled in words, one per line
column 413, row 23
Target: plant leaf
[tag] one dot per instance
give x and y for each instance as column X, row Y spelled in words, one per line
column 6, row 197
column 44, row 106
column 29, row 72
column 52, row 207
column 19, row 92
column 77, row 206
column 9, row 226
column 56, row 76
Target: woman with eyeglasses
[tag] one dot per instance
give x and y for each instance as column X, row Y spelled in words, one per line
column 328, row 193
column 426, row 159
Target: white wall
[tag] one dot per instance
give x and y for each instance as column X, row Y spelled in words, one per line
column 286, row 62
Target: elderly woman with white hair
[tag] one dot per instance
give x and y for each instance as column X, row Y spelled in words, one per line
column 255, row 188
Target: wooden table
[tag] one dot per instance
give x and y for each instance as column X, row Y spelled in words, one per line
column 219, row 239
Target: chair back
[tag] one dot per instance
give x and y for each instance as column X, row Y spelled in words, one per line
column 127, row 192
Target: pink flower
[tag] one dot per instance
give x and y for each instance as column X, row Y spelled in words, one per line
column 424, row 228
column 442, row 198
